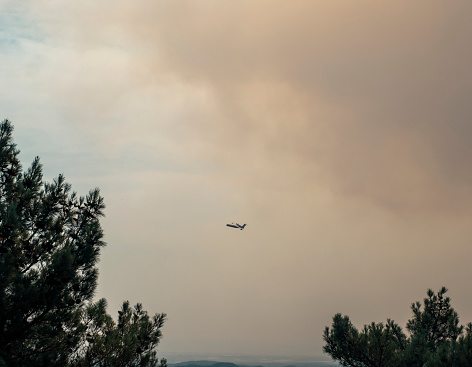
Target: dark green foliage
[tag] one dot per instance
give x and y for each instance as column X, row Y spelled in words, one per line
column 50, row 242
column 49, row 245
column 376, row 345
column 435, row 339
column 434, row 330
column 128, row 343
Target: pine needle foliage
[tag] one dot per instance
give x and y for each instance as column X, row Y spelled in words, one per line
column 128, row 343
column 50, row 241
column 435, row 339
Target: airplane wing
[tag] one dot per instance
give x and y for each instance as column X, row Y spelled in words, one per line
column 236, row 225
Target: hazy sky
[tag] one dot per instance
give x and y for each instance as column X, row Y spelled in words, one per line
column 340, row 131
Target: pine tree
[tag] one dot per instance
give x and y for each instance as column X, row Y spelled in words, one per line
column 375, row 346
column 50, row 241
column 128, row 343
column 435, row 339
column 434, row 330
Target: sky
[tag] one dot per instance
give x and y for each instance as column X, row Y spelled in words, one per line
column 340, row 131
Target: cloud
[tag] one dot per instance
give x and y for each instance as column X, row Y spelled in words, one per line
column 370, row 98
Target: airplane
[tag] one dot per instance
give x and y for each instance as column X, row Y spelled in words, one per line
column 236, row 225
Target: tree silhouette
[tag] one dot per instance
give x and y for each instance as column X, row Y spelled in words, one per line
column 50, row 241
column 435, row 339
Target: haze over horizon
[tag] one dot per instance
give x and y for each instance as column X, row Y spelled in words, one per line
column 340, row 131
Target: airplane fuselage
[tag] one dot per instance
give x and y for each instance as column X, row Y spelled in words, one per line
column 236, row 225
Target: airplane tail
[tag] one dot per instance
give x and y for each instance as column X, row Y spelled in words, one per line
column 244, row 225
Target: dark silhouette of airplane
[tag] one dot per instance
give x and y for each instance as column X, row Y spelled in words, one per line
column 236, row 225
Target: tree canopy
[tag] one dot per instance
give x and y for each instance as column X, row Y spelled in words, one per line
column 50, row 241
column 435, row 338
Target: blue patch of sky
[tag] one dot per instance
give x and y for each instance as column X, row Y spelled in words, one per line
column 16, row 24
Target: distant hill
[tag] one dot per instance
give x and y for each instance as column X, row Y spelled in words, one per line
column 196, row 363
column 205, row 363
